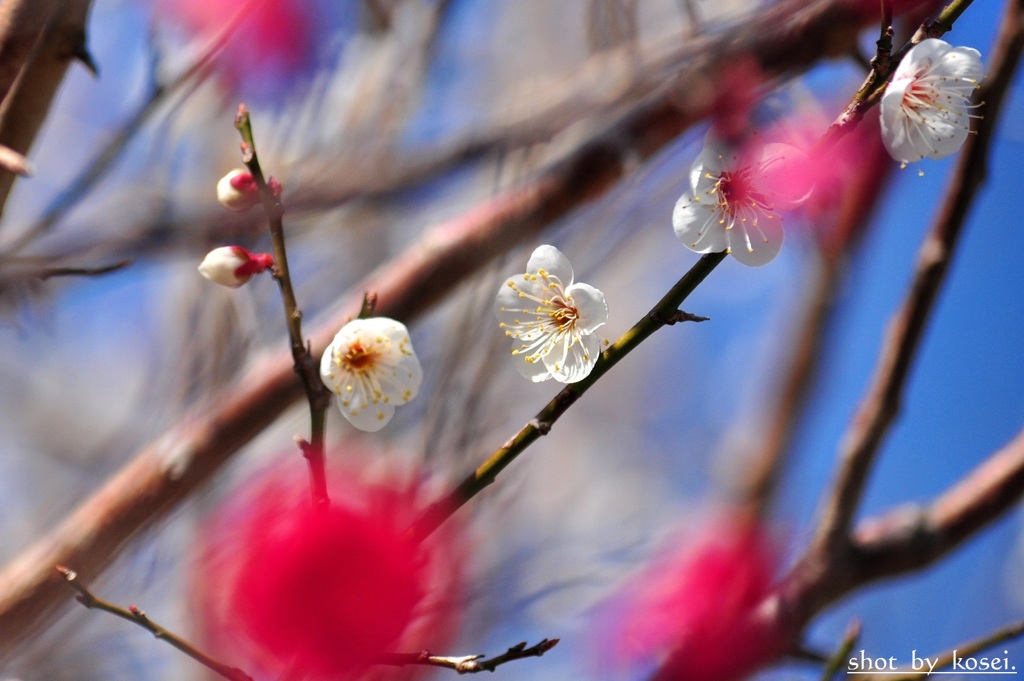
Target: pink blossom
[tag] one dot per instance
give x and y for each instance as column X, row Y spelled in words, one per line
column 272, row 41
column 698, row 606
column 321, row 593
column 741, row 85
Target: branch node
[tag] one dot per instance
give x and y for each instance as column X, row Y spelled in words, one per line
column 681, row 316
column 82, row 54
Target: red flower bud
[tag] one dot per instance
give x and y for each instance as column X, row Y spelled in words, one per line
column 233, row 266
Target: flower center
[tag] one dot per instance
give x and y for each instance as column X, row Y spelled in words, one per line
column 562, row 314
column 919, row 95
column 358, row 358
column 735, row 190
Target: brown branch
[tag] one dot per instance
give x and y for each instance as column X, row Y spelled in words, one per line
column 671, row 90
column 850, row 220
column 907, row 539
column 21, row 24
column 881, row 404
column 836, row 563
column 28, row 98
column 470, row 664
column 307, row 368
column 83, row 271
column 136, row 616
column 108, row 155
column 171, row 467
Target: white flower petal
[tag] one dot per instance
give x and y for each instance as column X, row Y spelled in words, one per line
column 591, row 307
column 924, row 110
column 370, row 419
column 573, row 361
column 948, row 131
column 550, row 259
column 756, row 245
column 896, row 127
column 922, row 57
column 697, row 224
column 534, row 370
column 519, row 293
column 964, row 63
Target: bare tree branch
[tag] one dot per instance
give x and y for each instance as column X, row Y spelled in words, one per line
column 907, row 539
column 471, row 664
column 881, row 404
column 27, row 101
column 137, row 616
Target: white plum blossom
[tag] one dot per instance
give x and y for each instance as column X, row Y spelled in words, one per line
column 925, row 107
column 371, row 368
column 551, row 319
column 233, row 266
column 733, row 201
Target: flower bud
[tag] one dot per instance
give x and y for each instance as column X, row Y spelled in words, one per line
column 233, row 266
column 237, row 190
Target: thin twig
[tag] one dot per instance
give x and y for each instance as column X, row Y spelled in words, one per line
column 839, row 657
column 317, row 393
column 137, row 616
column 470, row 664
column 83, row 271
column 485, row 474
column 680, row 316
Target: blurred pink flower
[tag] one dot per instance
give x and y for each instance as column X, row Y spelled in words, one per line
column 740, row 87
column 321, row 593
column 849, row 177
column 272, row 40
column 697, row 606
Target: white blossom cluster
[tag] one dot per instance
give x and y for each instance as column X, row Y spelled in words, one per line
column 733, row 202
